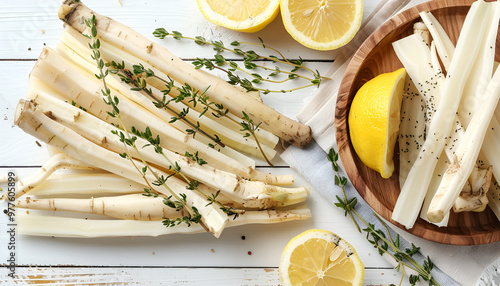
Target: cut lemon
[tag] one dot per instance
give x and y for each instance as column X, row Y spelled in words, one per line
column 374, row 120
column 240, row 15
column 320, row 257
column 322, row 24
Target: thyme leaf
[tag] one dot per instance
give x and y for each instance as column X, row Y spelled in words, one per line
column 381, row 239
column 250, row 60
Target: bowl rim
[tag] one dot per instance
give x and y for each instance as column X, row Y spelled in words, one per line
column 341, row 125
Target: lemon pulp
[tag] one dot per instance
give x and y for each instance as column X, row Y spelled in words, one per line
column 320, row 257
column 323, row 24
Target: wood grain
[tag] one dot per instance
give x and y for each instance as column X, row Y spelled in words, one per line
column 374, row 57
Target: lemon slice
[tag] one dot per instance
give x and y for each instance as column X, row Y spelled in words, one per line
column 322, row 24
column 240, row 15
column 374, row 120
column 320, row 257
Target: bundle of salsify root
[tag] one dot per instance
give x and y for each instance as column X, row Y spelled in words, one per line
column 154, row 145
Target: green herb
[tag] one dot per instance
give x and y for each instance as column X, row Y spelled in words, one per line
column 250, row 62
column 140, row 84
column 185, row 93
column 129, row 141
column 381, row 239
column 249, row 127
column 174, row 166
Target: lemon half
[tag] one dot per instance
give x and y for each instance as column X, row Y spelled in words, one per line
column 374, row 120
column 322, row 24
column 240, row 15
column 320, row 257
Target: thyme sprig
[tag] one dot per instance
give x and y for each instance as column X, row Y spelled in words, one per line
column 249, row 128
column 184, row 93
column 176, row 169
column 179, row 202
column 138, row 83
column 381, row 239
column 250, row 59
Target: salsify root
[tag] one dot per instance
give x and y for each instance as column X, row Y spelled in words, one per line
column 43, row 225
column 72, row 12
column 131, row 206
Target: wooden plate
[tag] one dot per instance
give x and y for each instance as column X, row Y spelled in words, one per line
column 376, row 56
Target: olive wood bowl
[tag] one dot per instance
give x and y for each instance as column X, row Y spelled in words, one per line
column 376, row 56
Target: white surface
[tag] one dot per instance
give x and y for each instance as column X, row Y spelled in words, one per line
column 25, row 27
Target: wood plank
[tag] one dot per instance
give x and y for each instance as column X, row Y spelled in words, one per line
column 166, row 276
column 25, row 27
column 265, row 242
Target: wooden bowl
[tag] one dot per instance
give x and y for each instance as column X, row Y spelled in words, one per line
column 376, row 56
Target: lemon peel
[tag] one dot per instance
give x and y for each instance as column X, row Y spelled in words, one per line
column 374, row 120
column 240, row 15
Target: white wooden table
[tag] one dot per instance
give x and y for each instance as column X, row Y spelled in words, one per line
column 247, row 255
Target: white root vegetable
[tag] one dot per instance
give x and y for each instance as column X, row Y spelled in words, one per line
column 249, row 193
column 79, row 44
column 411, row 140
column 411, row 129
column 413, row 192
column 56, row 162
column 444, row 45
column 196, row 192
column 86, row 184
column 39, row 125
column 122, row 37
column 132, row 206
column 423, row 68
column 437, row 176
column 83, row 185
column 466, row 154
column 420, row 29
column 66, row 79
column 476, row 199
column 208, row 127
column 41, row 225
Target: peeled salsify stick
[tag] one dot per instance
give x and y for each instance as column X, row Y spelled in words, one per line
column 444, row 45
column 474, row 89
column 124, row 38
column 411, row 129
column 466, row 154
column 79, row 44
column 437, row 177
column 411, row 137
column 39, row 125
column 428, row 77
column 56, row 162
column 99, row 184
column 86, row 93
column 36, row 85
column 86, row 184
column 208, row 126
column 131, row 206
column 413, row 192
column 66, row 79
column 43, row 225
column 101, row 133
